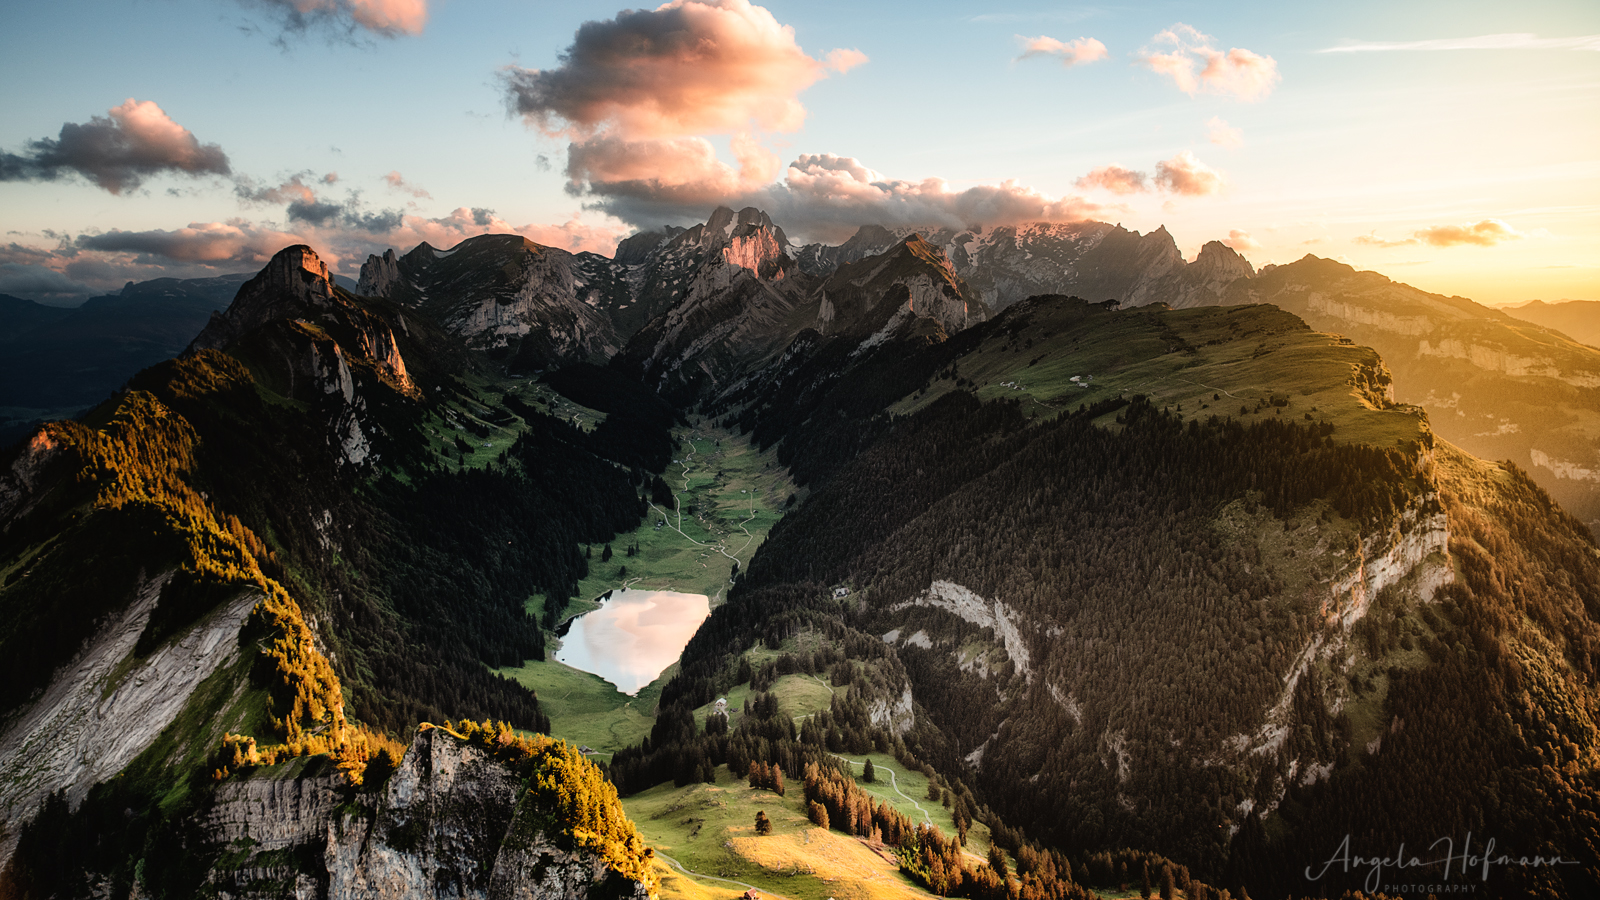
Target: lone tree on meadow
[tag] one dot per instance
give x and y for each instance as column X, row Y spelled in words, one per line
column 763, row 824
column 868, row 773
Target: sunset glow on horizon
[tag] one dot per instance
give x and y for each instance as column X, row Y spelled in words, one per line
column 1454, row 149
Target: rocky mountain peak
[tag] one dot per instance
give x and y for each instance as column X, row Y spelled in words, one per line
column 379, row 275
column 1218, row 260
column 295, row 283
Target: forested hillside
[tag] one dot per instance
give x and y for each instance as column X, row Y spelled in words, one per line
column 1227, row 628
column 316, row 473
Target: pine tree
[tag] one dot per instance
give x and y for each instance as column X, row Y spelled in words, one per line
column 869, row 774
column 763, row 824
column 997, row 860
column 605, row 555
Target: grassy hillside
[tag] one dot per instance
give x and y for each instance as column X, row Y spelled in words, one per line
column 1236, row 362
column 710, row 829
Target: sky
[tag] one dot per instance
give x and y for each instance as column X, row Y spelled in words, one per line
column 1454, row 146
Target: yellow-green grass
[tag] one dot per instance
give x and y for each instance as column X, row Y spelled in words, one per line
column 487, row 391
column 736, row 493
column 710, row 828
column 798, row 696
column 587, row 710
column 1199, row 362
column 677, row 886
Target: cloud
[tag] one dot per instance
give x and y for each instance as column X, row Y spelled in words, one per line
column 1372, row 240
column 117, row 151
column 1486, row 233
column 1115, row 179
column 203, row 242
column 1222, row 134
column 1483, row 234
column 1196, row 66
column 1482, row 42
column 1241, row 240
column 1071, row 53
column 291, row 190
column 37, row 282
column 1186, row 175
column 691, row 67
column 395, row 181
column 640, row 95
column 97, row 263
column 385, row 18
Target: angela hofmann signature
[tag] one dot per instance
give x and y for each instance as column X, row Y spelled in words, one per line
column 1466, row 863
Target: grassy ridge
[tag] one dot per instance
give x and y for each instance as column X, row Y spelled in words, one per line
column 1212, row 361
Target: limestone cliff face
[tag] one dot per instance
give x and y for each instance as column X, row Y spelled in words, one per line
column 1093, row 260
column 451, row 822
column 317, row 345
column 503, row 291
column 294, row 284
column 106, row 706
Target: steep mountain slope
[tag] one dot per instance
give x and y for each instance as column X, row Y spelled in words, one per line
column 715, row 336
column 269, row 540
column 1497, row 386
column 505, row 293
column 1579, row 319
column 56, row 362
column 1208, row 626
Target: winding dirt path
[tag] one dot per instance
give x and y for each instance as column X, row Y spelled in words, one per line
column 690, row 872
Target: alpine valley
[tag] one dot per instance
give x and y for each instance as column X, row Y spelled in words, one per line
column 1041, row 563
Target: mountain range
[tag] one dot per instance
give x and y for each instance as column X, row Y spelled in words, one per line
column 1147, row 568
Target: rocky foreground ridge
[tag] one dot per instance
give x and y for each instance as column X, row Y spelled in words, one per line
column 452, row 822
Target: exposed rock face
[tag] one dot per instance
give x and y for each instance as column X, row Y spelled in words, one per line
column 294, row 284
column 380, row 275
column 450, row 824
column 318, row 345
column 504, row 291
column 98, row 713
column 1091, row 260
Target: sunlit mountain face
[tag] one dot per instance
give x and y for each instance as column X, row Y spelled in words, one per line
column 674, row 452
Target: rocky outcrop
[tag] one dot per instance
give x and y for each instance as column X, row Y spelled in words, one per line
column 380, row 275
column 1093, row 260
column 991, row 614
column 103, row 708
column 294, row 284
column 451, row 823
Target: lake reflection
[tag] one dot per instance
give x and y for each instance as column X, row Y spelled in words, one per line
column 634, row 636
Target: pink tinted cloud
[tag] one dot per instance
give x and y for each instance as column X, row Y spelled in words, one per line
column 1071, row 53
column 678, row 171
column 385, row 18
column 233, row 241
column 293, row 189
column 690, row 67
column 1115, row 179
column 117, row 151
column 105, row 261
column 447, row 231
column 1195, row 65
column 1241, row 240
column 394, row 180
column 1486, row 233
column 828, row 197
column 1186, row 175
column 1222, row 134
column 1372, row 240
